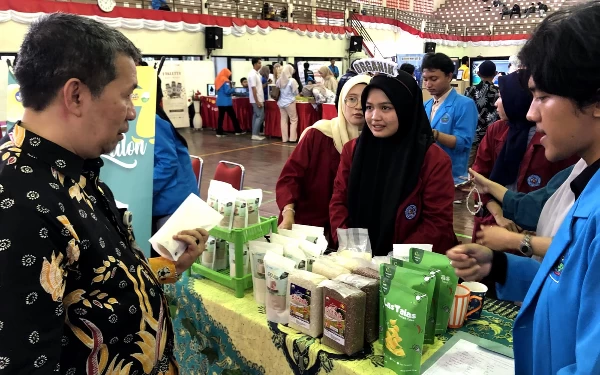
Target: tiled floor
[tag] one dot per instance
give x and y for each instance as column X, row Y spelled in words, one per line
column 263, row 162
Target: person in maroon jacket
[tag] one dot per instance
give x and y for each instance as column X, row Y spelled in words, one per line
column 511, row 154
column 305, row 185
column 394, row 180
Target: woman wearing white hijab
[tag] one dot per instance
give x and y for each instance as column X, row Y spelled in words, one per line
column 288, row 89
column 329, row 80
column 305, row 185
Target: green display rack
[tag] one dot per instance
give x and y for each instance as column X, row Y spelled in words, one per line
column 239, row 237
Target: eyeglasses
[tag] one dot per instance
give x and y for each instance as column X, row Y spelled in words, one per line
column 351, row 101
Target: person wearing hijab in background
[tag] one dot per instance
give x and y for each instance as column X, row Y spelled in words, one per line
column 510, row 153
column 394, row 180
column 225, row 92
column 305, row 185
column 174, row 179
column 329, row 80
column 288, row 89
column 277, row 70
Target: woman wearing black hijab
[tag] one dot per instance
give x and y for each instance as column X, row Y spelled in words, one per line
column 511, row 154
column 394, row 180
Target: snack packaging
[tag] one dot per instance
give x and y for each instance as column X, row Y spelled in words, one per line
column 246, row 259
column 355, row 243
column 214, row 190
column 306, row 302
column 445, row 284
column 258, row 250
column 313, row 234
column 423, row 281
column 291, row 234
column 343, row 317
column 312, row 252
column 240, row 214
column 220, row 255
column 404, row 314
column 253, row 202
column 208, row 256
column 371, row 289
column 402, row 251
column 226, row 204
column 277, row 301
column 291, row 250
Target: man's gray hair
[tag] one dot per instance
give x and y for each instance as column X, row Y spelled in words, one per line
column 62, row 46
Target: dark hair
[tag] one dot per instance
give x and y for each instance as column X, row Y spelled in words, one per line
column 408, row 68
column 306, row 65
column 465, row 60
column 438, row 61
column 255, row 60
column 62, row 46
column 563, row 53
column 243, row 79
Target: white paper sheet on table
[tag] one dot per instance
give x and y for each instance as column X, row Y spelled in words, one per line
column 193, row 213
column 402, row 251
column 467, row 358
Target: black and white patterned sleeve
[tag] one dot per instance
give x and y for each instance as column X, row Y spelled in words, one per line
column 32, row 284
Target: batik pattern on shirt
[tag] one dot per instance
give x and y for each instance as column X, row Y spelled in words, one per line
column 485, row 95
column 78, row 296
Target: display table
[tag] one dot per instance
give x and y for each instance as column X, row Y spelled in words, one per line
column 210, row 113
column 307, row 116
column 217, row 333
column 329, row 111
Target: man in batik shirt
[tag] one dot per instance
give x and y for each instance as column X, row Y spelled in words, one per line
column 485, row 94
column 78, row 296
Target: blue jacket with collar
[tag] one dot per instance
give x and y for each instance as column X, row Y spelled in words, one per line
column 557, row 330
column 224, row 95
column 456, row 116
column 174, row 179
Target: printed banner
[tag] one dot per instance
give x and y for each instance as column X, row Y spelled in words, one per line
column 415, row 59
column 128, row 170
column 174, row 94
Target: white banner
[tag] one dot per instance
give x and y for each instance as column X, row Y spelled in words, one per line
column 175, row 101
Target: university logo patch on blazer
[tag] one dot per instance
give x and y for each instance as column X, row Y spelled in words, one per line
column 410, row 212
column 534, row 180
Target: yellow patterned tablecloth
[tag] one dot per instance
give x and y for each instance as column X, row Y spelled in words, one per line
column 218, row 334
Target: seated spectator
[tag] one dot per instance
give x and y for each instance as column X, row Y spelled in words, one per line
column 531, row 10
column 244, row 82
column 309, row 75
column 542, row 9
column 505, row 11
column 408, row 68
column 283, row 14
column 497, row 3
column 516, row 9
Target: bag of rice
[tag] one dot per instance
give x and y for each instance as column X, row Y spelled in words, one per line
column 445, row 284
column 351, row 263
column 354, row 243
column 258, row 250
column 277, row 301
column 371, row 289
column 291, row 250
column 343, row 317
column 324, row 266
column 367, row 272
column 291, row 234
column 403, row 317
column 423, row 281
column 306, row 302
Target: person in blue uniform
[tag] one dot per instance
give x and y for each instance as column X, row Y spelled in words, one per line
column 453, row 117
column 558, row 327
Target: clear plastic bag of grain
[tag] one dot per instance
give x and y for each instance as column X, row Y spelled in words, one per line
column 371, row 288
column 354, row 243
column 343, row 317
column 367, row 272
column 328, row 268
column 306, row 302
column 350, row 263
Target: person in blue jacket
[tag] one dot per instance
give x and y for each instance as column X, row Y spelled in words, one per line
column 453, row 117
column 557, row 330
column 174, row 180
column 225, row 91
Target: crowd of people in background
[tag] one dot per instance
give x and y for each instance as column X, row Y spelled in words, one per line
column 540, row 9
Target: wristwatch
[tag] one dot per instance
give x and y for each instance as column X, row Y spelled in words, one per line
column 525, row 246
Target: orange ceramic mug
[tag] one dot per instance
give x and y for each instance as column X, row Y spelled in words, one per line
column 460, row 306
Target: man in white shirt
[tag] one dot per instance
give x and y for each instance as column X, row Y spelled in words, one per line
column 257, row 99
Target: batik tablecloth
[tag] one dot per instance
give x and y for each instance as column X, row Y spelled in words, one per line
column 217, row 333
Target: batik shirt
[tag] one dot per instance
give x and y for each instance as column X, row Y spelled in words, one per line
column 77, row 295
column 485, row 95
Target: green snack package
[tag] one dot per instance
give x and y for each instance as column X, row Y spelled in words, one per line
column 404, row 315
column 445, row 284
column 423, row 280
